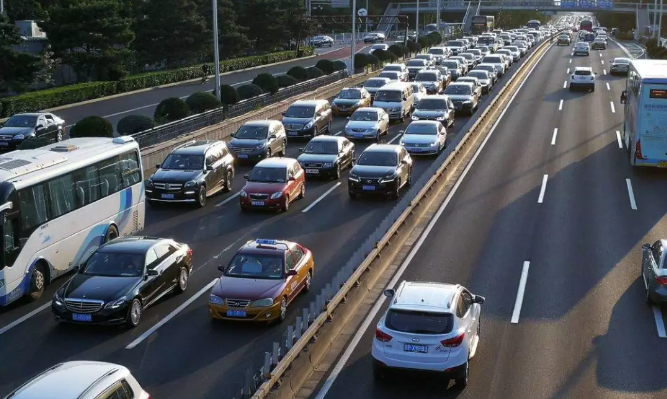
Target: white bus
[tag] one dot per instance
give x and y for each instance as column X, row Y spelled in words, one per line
column 59, row 203
column 645, row 110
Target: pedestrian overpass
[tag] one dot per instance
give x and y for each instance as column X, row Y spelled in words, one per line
column 426, row 6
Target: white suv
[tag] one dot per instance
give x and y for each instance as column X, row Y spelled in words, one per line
column 429, row 327
column 582, row 77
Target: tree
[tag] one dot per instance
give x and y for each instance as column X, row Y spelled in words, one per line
column 232, row 37
column 264, row 20
column 17, row 70
column 18, row 10
column 171, row 109
column 171, row 31
column 91, row 36
column 92, row 126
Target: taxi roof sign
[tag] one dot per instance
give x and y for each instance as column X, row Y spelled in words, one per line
column 262, row 241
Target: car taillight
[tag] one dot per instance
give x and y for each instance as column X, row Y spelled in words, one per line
column 661, row 280
column 638, row 150
column 382, row 336
column 189, row 251
column 453, row 342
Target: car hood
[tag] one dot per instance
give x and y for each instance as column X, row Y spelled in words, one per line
column 427, row 83
column 102, row 288
column 263, row 188
column 361, row 125
column 346, row 102
column 460, row 97
column 613, row 65
column 323, row 158
column 428, row 113
column 295, row 121
column 418, row 139
column 247, row 288
column 364, row 171
column 16, row 130
column 175, row 176
column 246, row 142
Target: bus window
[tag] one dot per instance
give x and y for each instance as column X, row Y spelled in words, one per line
column 33, row 207
column 9, row 246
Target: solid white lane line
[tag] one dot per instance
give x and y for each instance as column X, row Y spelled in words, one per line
column 337, row 133
column 613, row 110
column 321, row 197
column 398, row 136
column 618, row 138
column 631, row 194
column 226, row 200
column 553, row 138
column 560, row 105
column 608, row 88
column 565, row 84
column 520, row 293
column 24, row 318
column 568, row 71
column 543, row 189
column 604, row 71
column 399, row 273
column 659, row 323
column 171, row 315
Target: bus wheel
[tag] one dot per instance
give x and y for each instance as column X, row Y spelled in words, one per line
column 112, row 234
column 37, row 282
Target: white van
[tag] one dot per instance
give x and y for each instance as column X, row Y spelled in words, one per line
column 396, row 98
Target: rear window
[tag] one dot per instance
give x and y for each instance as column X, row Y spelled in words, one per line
column 419, row 322
column 416, row 63
column 493, row 60
column 426, row 77
column 455, row 43
column 582, row 73
column 437, row 51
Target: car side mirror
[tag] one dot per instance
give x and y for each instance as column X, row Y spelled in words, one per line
column 157, row 166
column 478, row 299
column 301, row 149
column 152, row 272
column 209, row 167
column 646, row 246
column 354, row 161
column 291, row 272
column 246, row 176
column 221, row 268
column 273, row 136
column 232, row 135
column 76, row 268
column 348, row 118
column 389, row 293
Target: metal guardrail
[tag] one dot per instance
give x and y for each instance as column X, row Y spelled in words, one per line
column 171, row 130
column 542, row 5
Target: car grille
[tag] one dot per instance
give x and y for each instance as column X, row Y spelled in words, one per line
column 312, row 165
column 242, row 150
column 6, row 138
column 293, row 127
column 358, row 130
column 237, row 303
column 458, row 104
column 416, row 145
column 258, row 196
column 170, row 187
column 83, row 305
column 369, row 180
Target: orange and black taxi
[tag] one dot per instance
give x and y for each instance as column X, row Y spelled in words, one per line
column 261, row 280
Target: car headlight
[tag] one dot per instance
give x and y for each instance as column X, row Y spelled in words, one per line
column 395, row 109
column 262, row 303
column 433, row 144
column 467, row 102
column 260, row 146
column 19, row 137
column 149, row 183
column 328, row 165
column 353, row 177
column 440, row 118
column 415, row 118
column 277, row 195
column 116, row 304
column 388, row 178
column 58, row 298
column 348, row 129
column 191, row 183
column 309, row 125
column 216, row 300
column 243, row 194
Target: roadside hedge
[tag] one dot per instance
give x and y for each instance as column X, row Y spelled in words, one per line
column 267, row 82
column 360, row 60
column 228, row 95
column 339, row 65
column 92, row 126
column 299, row 73
column 249, row 91
column 202, row 101
column 171, row 109
column 314, row 72
column 326, row 66
column 132, row 124
column 55, row 97
column 286, row 80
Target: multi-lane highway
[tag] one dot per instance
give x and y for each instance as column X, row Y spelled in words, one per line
column 178, row 351
column 551, row 196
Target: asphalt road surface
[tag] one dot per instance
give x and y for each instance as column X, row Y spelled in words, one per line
column 566, row 207
column 191, row 356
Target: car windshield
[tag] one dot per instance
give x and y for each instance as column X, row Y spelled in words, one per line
column 478, row 74
column 512, row 48
column 349, row 94
column 432, row 103
column 582, row 73
column 388, row 95
column 21, row 121
column 599, row 40
column 390, row 75
column 300, row 111
column 364, row 116
column 263, row 174
column 374, row 83
column 378, row 158
column 623, row 61
column 467, row 56
column 483, row 49
column 378, row 47
column 426, row 77
column 458, row 89
column 437, row 51
column 114, row 264
column 252, row 133
column 451, row 64
column 455, row 43
column 416, row 63
column 256, row 266
column 494, row 60
column 393, row 68
column 424, row 130
column 415, row 322
column 321, row 147
column 425, row 57
column 183, row 162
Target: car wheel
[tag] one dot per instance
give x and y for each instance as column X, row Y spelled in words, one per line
column 134, row 313
column 283, row 310
column 112, row 234
column 461, row 382
column 649, row 300
column 283, row 149
column 352, row 195
column 337, row 174
column 409, row 182
column 302, row 193
column 267, row 154
column 201, row 198
column 183, row 277
column 328, row 128
column 285, row 206
column 309, row 278
column 377, row 137
column 229, row 180
column 59, row 135
column 37, row 282
column 593, row 88
column 397, row 193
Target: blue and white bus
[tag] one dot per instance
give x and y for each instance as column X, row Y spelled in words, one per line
column 645, row 110
column 59, row 203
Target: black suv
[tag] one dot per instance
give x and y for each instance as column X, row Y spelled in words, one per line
column 381, row 169
column 308, row 118
column 191, row 173
column 257, row 140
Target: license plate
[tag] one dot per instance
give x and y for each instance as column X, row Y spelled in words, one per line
column 416, row 149
column 167, row 196
column 368, row 188
column 82, row 317
column 358, row 135
column 415, row 348
column 236, row 313
column 313, row 171
column 257, row 203
column 243, row 156
column 662, row 164
column 292, row 133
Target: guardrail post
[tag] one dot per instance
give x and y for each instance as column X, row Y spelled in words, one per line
column 290, row 337
column 318, row 302
column 275, row 355
column 246, row 394
column 328, row 292
column 298, row 328
column 267, row 366
column 306, row 318
column 313, row 310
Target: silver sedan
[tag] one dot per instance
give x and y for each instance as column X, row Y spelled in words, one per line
column 654, row 273
column 367, row 123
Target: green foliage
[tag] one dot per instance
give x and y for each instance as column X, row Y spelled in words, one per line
column 267, row 82
column 625, row 22
column 436, row 38
column 92, row 126
column 132, row 124
column 361, row 60
column 249, row 91
column 424, row 41
column 272, row 23
column 17, row 70
column 397, row 49
column 339, row 65
column 171, row 109
column 373, row 60
column 414, row 47
column 381, row 55
column 286, row 80
column 298, row 73
column 625, row 35
column 314, row 72
column 202, row 101
column 20, row 10
column 325, row 66
column 228, row 95
column 35, row 142
column 655, row 51
column 232, row 37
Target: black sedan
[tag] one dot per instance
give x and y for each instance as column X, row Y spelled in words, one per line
column 121, row 279
column 382, row 169
column 326, row 156
column 28, row 126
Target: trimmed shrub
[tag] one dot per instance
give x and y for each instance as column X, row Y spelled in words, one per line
column 381, row 55
column 202, row 101
column 228, row 95
column 424, row 41
column 397, row 50
column 249, row 91
column 132, row 124
column 339, row 65
column 92, row 126
column 286, row 80
column 267, row 82
column 326, row 66
column 373, row 60
column 391, row 57
column 414, row 47
column 314, row 72
column 361, row 60
column 171, row 109
column 436, row 38
column 298, row 73
column 34, row 142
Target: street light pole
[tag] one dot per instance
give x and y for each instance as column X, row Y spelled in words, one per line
column 660, row 25
column 2, row 7
column 437, row 16
column 417, row 22
column 366, row 17
column 216, row 53
column 655, row 17
column 354, row 30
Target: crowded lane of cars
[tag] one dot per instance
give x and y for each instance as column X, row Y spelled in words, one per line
column 323, row 220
